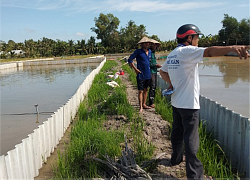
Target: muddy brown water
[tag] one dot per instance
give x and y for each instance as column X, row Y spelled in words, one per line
column 48, row 86
column 226, row 80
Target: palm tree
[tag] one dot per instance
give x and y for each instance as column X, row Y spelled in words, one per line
column 71, row 47
column 91, row 45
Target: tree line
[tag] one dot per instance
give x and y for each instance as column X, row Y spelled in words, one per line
column 112, row 40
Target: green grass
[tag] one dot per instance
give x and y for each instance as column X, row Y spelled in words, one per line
column 90, row 139
column 132, row 74
column 213, row 157
column 163, row 107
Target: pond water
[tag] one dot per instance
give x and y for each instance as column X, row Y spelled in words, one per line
column 48, row 86
column 226, row 80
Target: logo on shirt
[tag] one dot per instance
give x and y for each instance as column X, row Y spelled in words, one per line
column 172, row 62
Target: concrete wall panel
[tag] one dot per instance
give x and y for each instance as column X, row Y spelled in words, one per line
column 12, row 164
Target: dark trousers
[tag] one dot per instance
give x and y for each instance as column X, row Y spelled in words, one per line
column 152, row 88
column 185, row 128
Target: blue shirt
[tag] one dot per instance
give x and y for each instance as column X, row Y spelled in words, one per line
column 142, row 63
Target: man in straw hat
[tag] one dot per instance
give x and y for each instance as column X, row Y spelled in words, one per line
column 142, row 70
column 153, row 68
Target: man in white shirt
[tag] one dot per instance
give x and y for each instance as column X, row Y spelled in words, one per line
column 180, row 70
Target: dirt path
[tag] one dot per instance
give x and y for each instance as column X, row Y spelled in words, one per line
column 156, row 131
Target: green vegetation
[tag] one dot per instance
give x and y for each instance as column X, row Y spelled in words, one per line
column 120, row 41
column 90, row 138
column 163, row 107
column 213, row 158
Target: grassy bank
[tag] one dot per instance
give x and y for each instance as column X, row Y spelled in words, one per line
column 90, row 138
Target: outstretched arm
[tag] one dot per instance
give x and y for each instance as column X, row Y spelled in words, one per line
column 222, row 50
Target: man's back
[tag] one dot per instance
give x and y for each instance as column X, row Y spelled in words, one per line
column 182, row 66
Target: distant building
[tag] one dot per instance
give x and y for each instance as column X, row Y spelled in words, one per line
column 17, row 52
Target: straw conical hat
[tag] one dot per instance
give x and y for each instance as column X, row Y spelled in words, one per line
column 155, row 42
column 144, row 39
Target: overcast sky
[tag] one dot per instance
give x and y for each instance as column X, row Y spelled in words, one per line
column 72, row 19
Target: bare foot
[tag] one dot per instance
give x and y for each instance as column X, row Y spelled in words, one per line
column 152, row 105
column 141, row 109
column 146, row 107
column 208, row 177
